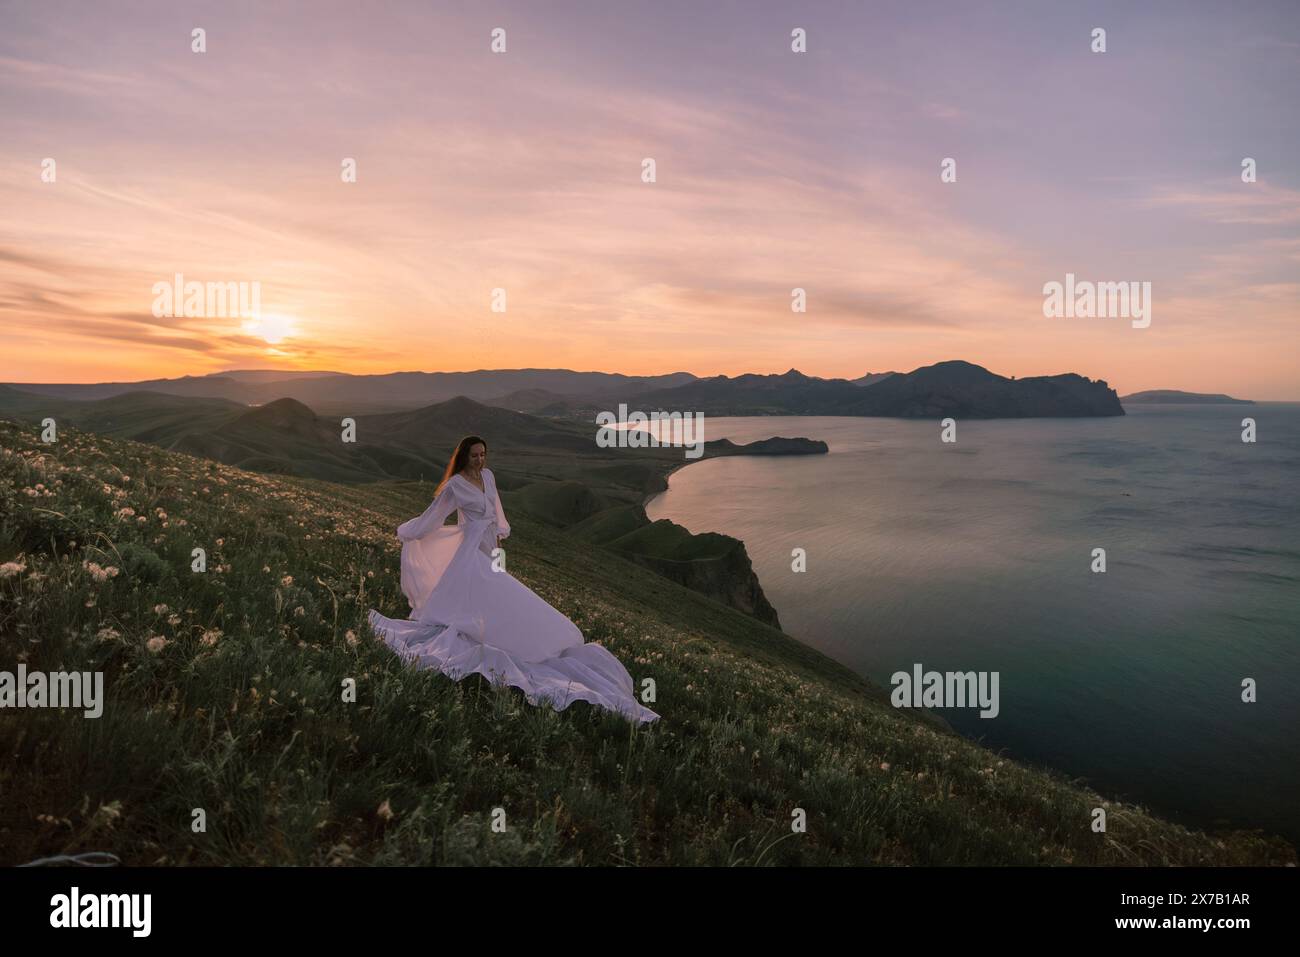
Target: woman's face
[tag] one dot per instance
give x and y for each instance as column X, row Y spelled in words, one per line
column 477, row 455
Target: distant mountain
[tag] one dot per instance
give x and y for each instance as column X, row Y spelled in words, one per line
column 1174, row 397
column 791, row 393
column 956, row 388
column 540, row 402
column 946, row 388
column 272, row 375
column 871, row 378
column 358, row 394
column 964, row 390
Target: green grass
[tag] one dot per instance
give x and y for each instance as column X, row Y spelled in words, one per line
column 667, row 540
column 240, row 711
column 557, row 503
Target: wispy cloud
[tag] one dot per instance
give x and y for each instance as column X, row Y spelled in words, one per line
column 1254, row 204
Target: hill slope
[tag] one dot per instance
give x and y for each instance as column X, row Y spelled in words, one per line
column 554, row 470
column 223, row 693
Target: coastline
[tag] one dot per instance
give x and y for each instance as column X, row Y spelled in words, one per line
column 1184, row 814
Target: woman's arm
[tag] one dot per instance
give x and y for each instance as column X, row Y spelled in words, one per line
column 432, row 518
column 503, row 527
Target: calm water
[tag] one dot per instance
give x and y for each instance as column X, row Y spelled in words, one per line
column 976, row 556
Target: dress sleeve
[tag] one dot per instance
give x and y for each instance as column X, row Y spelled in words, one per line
column 503, row 527
column 432, row 518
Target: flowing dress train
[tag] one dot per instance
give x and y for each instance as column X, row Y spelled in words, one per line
column 468, row 617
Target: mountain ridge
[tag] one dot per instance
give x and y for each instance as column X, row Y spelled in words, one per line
column 952, row 387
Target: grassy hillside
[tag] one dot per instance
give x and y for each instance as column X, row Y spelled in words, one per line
column 224, row 694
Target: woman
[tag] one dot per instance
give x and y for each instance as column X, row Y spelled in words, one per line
column 468, row 614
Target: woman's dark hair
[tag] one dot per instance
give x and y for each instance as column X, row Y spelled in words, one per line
column 459, row 458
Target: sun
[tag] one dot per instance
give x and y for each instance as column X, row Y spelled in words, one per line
column 273, row 328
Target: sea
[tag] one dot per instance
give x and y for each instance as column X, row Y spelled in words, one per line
column 981, row 555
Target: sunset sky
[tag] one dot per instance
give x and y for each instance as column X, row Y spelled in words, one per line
column 775, row 170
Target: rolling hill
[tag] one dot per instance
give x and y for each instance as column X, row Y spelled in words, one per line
column 551, row 469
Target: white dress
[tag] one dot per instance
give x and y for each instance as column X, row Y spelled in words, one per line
column 466, row 617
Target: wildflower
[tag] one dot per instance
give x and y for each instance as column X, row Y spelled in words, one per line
column 97, row 573
column 211, row 636
column 385, row 811
column 108, row 634
column 157, row 643
column 351, row 637
column 173, row 620
column 884, row 765
column 124, row 513
column 9, row 569
column 160, row 609
column 286, row 581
